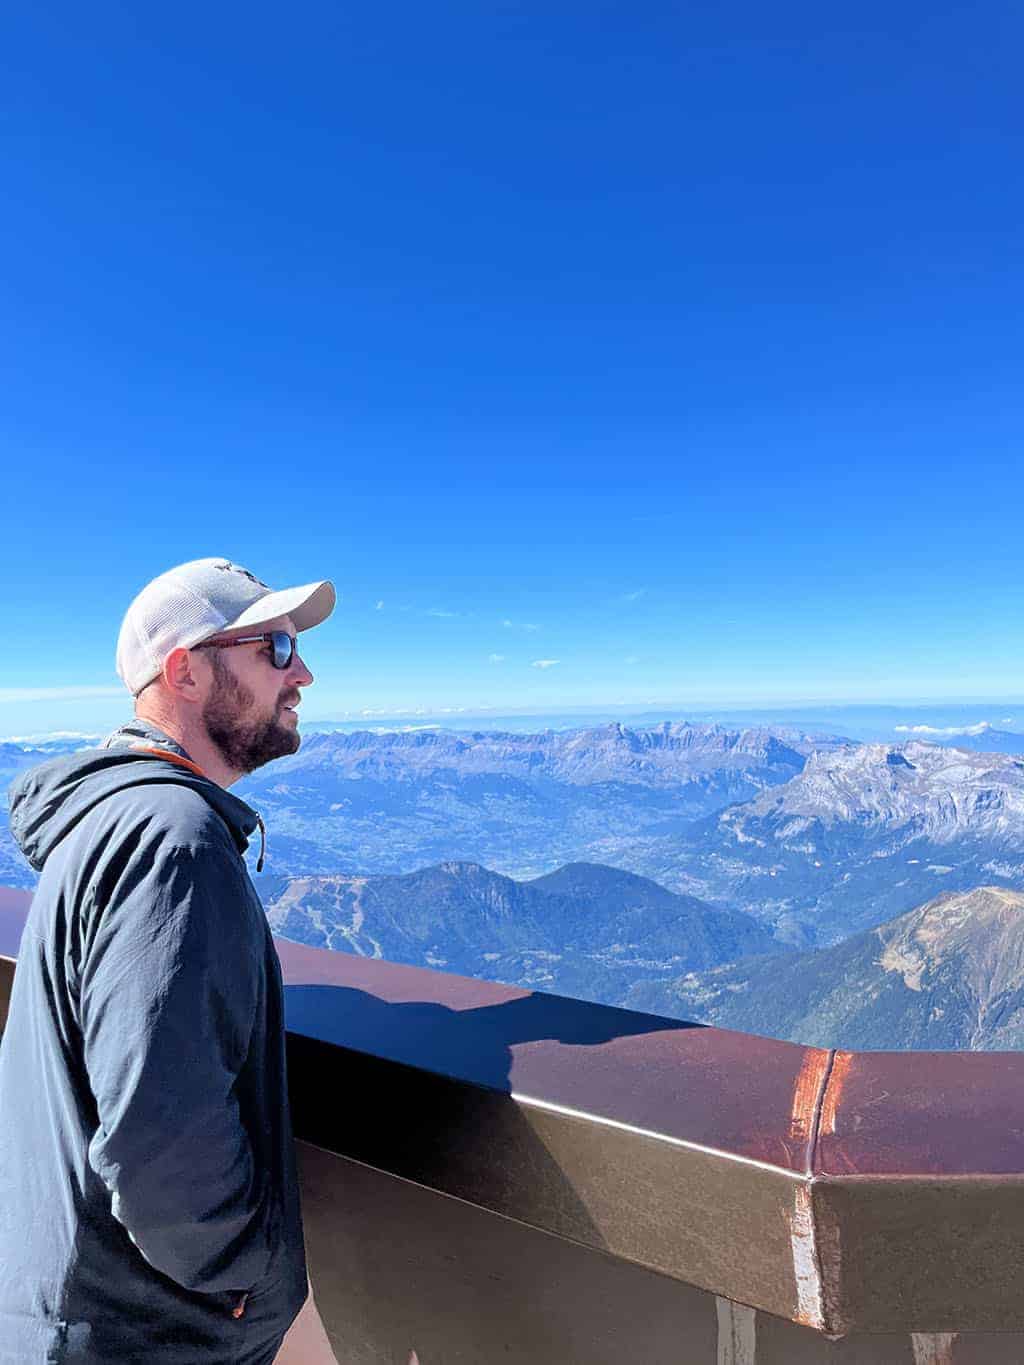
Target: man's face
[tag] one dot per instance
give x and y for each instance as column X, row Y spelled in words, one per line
column 249, row 713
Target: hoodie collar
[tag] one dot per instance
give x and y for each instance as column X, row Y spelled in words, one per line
column 47, row 801
column 143, row 734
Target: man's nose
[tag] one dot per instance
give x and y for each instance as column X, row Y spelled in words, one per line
column 299, row 674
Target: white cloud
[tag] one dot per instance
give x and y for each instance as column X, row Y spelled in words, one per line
column 444, row 615
column 12, row 694
column 545, row 663
column 379, row 606
column 947, row 730
column 495, row 658
column 48, row 735
column 631, row 596
column 520, row 625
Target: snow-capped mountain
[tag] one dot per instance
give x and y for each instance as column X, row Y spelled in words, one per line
column 861, row 834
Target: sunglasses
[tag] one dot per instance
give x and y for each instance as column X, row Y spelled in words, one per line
column 283, row 645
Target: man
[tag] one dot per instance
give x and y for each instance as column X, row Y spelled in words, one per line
column 149, row 1203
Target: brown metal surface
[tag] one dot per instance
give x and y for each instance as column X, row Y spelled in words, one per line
column 928, row 1254
column 397, row 1268
column 733, row 1092
column 923, row 1113
column 699, row 1216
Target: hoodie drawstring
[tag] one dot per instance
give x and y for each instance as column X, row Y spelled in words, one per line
column 263, row 842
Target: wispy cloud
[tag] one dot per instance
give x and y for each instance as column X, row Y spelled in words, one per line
column 545, row 663
column 12, row 694
column 495, row 658
column 49, row 735
column 947, row 730
column 630, row 596
column 520, row 625
column 444, row 615
column 379, row 606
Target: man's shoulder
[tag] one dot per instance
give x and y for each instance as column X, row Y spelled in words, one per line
column 172, row 811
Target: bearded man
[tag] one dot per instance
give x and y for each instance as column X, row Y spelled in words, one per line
column 149, row 1204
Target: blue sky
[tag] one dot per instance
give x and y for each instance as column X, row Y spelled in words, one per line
column 684, row 338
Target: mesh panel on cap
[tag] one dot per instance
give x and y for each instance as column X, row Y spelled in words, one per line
column 177, row 617
column 166, row 615
column 140, row 655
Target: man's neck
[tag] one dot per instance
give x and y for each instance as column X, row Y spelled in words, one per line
column 196, row 743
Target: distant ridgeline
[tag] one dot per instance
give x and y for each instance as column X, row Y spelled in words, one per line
column 640, row 865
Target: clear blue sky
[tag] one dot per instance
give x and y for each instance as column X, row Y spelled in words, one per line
column 689, row 335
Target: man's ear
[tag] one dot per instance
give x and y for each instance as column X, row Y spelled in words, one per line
column 181, row 676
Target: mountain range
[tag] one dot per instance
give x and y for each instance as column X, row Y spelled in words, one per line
column 524, row 804
column 673, row 869
column 947, row 975
column 817, row 838
column 519, row 803
column 861, row 834
column 584, row 930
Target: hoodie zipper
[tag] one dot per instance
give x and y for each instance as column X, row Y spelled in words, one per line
column 239, row 1307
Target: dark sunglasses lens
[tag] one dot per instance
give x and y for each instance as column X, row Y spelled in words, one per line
column 284, row 648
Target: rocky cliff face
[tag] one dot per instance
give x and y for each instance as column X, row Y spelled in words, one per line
column 942, row 793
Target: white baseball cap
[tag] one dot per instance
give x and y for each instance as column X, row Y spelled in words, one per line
column 197, row 600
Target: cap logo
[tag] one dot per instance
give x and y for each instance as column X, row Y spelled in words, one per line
column 237, row 568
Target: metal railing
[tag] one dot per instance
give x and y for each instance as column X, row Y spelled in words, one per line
column 493, row 1173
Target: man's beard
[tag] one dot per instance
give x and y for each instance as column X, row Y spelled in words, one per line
column 244, row 745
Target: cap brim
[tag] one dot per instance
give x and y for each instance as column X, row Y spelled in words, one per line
column 307, row 606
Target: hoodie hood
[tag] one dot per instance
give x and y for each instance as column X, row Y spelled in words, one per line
column 46, row 802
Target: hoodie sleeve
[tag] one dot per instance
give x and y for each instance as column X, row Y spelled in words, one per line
column 170, row 982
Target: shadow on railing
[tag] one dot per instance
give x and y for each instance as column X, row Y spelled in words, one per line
column 492, row 1174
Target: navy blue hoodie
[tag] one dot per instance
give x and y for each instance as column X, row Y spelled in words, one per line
column 148, row 1194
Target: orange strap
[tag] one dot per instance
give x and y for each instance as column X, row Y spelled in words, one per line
column 171, row 758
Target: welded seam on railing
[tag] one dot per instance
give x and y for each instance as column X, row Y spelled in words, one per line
column 811, row 1160
column 807, row 1265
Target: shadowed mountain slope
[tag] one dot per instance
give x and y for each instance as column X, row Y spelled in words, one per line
column 586, row 930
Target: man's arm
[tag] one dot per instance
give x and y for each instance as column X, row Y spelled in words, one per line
column 169, row 988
